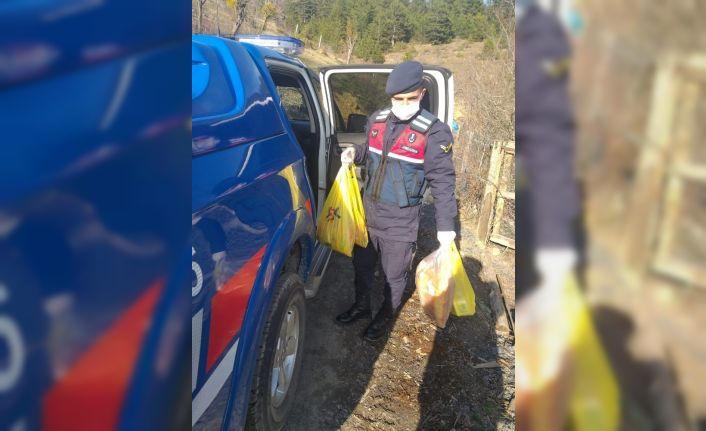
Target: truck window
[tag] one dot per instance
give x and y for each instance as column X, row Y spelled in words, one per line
column 358, row 93
column 298, row 104
column 361, row 94
column 293, row 103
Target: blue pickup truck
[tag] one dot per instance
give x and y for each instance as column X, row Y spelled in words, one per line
column 266, row 142
column 94, row 215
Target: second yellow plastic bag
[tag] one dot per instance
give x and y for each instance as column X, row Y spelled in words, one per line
column 563, row 372
column 341, row 222
column 464, row 303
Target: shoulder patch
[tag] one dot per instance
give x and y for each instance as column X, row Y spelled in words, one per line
column 557, row 68
column 382, row 116
column 446, row 148
column 423, row 121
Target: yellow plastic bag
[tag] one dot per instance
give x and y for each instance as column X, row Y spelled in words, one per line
column 464, row 303
column 595, row 397
column 563, row 374
column 341, row 222
column 435, row 284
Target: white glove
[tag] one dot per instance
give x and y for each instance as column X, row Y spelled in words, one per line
column 348, row 156
column 554, row 266
column 445, row 237
column 539, row 317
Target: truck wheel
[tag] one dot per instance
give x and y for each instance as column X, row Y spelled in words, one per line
column 279, row 361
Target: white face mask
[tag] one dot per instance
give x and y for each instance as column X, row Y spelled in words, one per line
column 405, row 112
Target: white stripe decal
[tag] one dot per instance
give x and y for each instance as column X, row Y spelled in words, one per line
column 213, row 385
column 406, row 159
column 375, row 150
column 420, row 125
column 423, row 119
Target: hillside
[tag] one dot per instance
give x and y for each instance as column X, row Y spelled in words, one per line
column 484, row 104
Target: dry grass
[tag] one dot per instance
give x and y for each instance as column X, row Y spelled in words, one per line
column 484, row 108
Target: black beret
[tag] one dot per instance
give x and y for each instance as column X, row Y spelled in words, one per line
column 405, row 77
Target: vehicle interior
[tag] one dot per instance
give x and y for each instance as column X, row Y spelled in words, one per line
column 356, row 96
column 299, row 107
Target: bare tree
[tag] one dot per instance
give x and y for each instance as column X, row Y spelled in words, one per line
column 201, row 3
column 268, row 11
column 351, row 40
column 218, row 17
column 239, row 7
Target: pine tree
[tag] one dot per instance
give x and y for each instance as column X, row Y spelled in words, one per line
column 438, row 29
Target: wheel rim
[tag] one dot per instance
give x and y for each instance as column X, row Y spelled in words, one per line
column 285, row 356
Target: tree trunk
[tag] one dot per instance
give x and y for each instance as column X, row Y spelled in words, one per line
column 218, row 17
column 201, row 2
column 351, row 46
column 239, row 9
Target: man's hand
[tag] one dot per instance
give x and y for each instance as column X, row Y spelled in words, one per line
column 544, row 368
column 554, row 266
column 348, row 156
column 445, row 237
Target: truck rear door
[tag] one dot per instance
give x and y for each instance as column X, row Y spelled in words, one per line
column 353, row 92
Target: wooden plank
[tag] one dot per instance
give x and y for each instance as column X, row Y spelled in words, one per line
column 498, row 217
column 672, row 201
column 503, row 240
column 639, row 230
column 688, row 274
column 674, row 195
column 689, row 171
column 498, row 306
column 509, row 147
column 505, row 300
column 485, row 218
column 508, row 196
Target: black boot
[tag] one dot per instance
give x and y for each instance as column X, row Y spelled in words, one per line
column 360, row 309
column 380, row 324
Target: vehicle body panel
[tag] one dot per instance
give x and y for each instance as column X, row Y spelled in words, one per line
column 251, row 205
column 92, row 207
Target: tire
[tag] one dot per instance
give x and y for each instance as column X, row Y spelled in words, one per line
column 271, row 400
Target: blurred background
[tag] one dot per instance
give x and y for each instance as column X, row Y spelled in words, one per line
column 638, row 85
column 639, row 80
column 94, row 214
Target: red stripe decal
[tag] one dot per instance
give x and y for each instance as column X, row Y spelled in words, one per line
column 90, row 395
column 228, row 308
column 408, row 142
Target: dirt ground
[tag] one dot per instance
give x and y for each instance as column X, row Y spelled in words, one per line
column 652, row 330
column 418, row 377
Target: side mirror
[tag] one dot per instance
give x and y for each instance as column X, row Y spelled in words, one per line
column 356, row 123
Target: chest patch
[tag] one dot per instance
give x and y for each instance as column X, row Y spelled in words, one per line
column 375, row 133
column 410, row 149
column 412, row 137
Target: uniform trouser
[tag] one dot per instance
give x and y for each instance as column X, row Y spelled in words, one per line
column 396, row 257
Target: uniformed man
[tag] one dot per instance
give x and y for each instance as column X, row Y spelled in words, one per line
column 546, row 214
column 547, row 199
column 407, row 150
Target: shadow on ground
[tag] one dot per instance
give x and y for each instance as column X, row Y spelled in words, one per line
column 418, row 377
